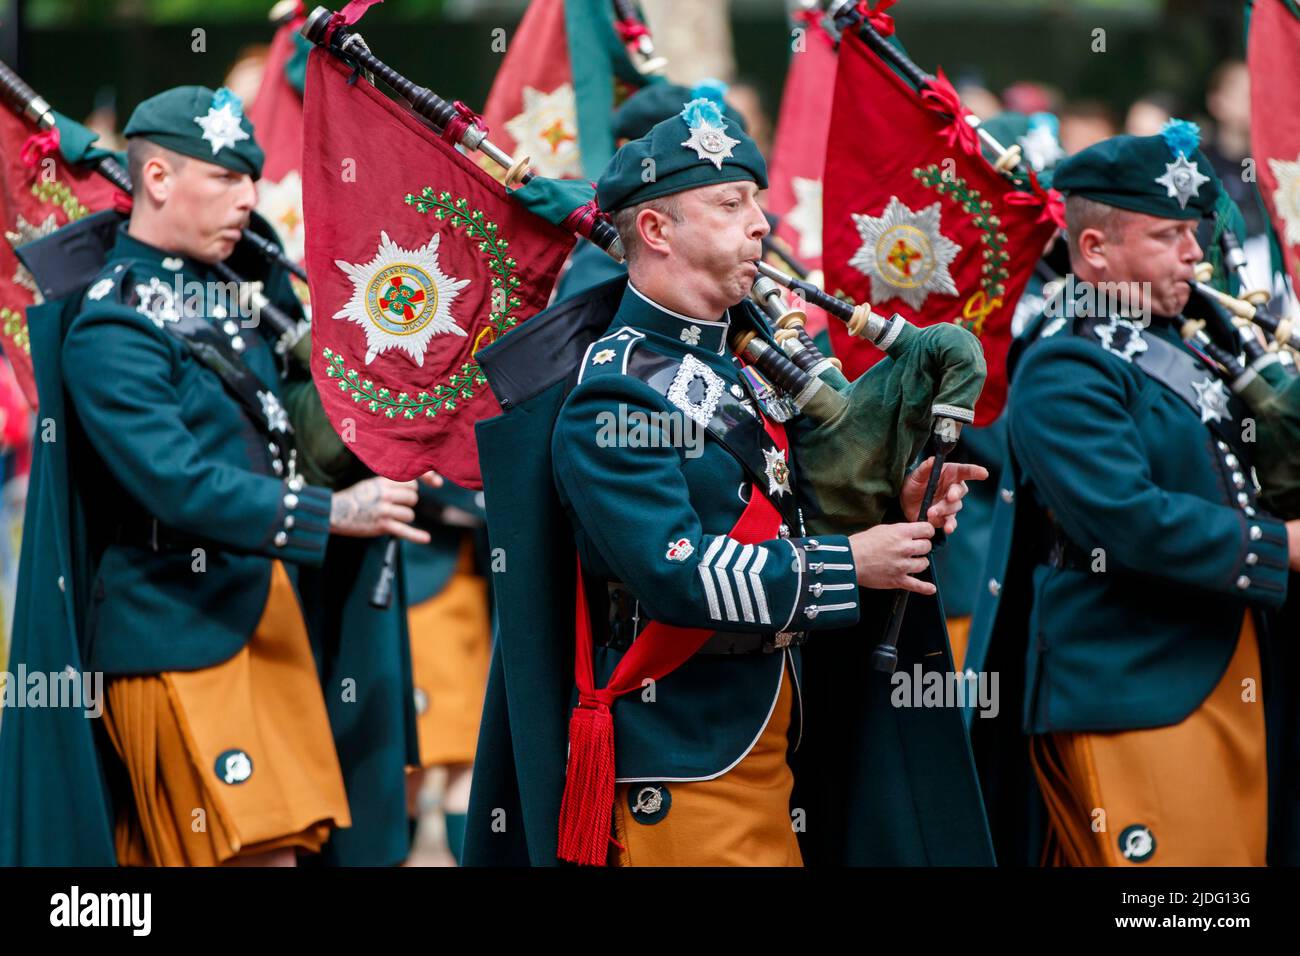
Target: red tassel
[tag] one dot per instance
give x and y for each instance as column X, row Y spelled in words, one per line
column 588, row 787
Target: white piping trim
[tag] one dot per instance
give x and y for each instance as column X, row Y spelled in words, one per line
column 731, row 766
column 756, row 584
column 742, row 591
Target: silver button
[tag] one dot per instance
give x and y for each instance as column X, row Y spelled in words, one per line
column 812, row 544
column 816, row 566
column 1243, row 499
column 1223, row 446
column 296, row 483
column 1230, row 461
column 815, row 589
column 276, row 466
column 63, row 585
column 219, row 312
column 1255, row 533
column 291, row 501
column 1249, row 511
column 784, row 531
column 230, row 328
column 1252, row 558
column 288, row 522
column 237, row 344
column 811, row 611
column 994, row 588
column 281, row 539
column 1243, row 582
column 1008, row 495
column 1238, row 479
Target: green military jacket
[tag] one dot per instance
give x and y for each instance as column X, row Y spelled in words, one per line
column 170, row 453
column 633, row 506
column 1133, row 477
column 877, row 783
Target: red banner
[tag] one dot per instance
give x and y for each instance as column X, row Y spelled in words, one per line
column 799, row 150
column 1273, row 57
column 39, row 192
column 276, row 115
column 417, row 260
column 916, row 223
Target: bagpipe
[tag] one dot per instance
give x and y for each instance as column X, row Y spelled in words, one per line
column 868, row 433
column 1245, row 342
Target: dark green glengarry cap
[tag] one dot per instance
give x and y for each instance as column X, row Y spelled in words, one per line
column 1165, row 175
column 660, row 101
column 697, row 147
column 198, row 122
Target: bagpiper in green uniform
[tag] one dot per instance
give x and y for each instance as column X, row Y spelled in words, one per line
column 1133, row 577
column 166, row 531
column 653, row 452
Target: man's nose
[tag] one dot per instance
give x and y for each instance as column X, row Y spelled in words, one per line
column 247, row 194
column 760, row 226
column 1191, row 249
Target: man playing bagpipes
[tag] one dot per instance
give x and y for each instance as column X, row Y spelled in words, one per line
column 1134, row 574
column 165, row 537
column 682, row 616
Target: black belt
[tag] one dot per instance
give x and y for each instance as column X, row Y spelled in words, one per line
column 1056, row 550
column 625, row 623
column 151, row 534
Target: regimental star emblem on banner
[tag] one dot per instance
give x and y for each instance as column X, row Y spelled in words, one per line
column 1286, row 198
column 1212, row 398
column 1121, row 337
column 276, row 418
column 806, row 216
column 281, row 205
column 547, row 130
column 221, row 124
column 778, row 472
column 401, row 298
column 904, row 254
column 1183, row 180
column 23, row 233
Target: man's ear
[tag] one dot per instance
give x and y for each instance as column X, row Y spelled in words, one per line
column 1092, row 247
column 655, row 230
column 157, row 178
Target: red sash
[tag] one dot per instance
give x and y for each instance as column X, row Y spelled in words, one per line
column 658, row 651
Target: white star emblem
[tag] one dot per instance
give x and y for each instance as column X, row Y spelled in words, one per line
column 778, row 472
column 157, row 302
column 904, row 254
column 603, row 356
column 806, row 216
column 1182, row 179
column 1134, row 343
column 276, row 419
column 281, row 205
column 1213, row 399
column 173, row 262
column 711, row 143
column 547, row 130
column 401, row 298
column 23, row 233
column 221, row 127
column 1286, row 198
column 691, row 336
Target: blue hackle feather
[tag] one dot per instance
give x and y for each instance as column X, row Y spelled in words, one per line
column 225, row 96
column 1182, row 137
column 710, row 88
column 702, row 112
